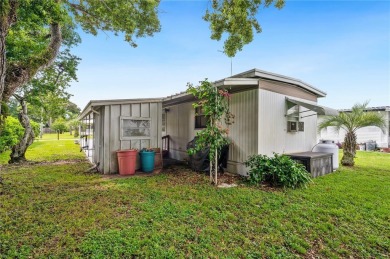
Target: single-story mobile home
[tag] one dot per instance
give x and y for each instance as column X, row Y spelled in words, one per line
column 273, row 113
column 363, row 135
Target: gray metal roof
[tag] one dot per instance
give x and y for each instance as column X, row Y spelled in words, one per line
column 244, row 80
column 257, row 73
column 377, row 108
column 96, row 103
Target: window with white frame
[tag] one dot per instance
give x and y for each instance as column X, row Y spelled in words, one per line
column 135, row 127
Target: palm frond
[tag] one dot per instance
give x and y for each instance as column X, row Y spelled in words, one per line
column 372, row 119
column 357, row 118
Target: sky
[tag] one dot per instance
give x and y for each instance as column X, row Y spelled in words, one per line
column 339, row 47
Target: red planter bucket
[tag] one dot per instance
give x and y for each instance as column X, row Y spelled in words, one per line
column 126, row 161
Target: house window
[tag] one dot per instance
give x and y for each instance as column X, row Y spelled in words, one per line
column 200, row 119
column 133, row 128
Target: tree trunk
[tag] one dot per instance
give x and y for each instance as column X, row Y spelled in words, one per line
column 2, row 63
column 19, row 150
column 7, row 19
column 349, row 149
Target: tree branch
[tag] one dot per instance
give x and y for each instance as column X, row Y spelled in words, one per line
column 19, row 74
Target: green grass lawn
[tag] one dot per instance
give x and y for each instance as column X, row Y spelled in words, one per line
column 54, row 136
column 57, row 210
column 41, row 151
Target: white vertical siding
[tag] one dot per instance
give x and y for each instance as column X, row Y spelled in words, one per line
column 260, row 127
column 110, row 137
column 125, row 111
column 180, row 127
column 272, row 133
column 114, row 136
column 106, row 140
column 243, row 132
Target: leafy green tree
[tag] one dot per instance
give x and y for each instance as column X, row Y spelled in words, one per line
column 73, row 125
column 60, row 126
column 46, row 89
column 351, row 121
column 215, row 106
column 34, row 28
column 237, row 20
column 32, row 32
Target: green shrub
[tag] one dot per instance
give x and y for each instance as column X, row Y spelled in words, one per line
column 11, row 132
column 279, row 170
column 36, row 128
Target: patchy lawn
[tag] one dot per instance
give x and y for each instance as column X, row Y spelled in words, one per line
column 56, row 210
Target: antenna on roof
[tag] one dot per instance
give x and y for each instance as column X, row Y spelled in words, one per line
column 231, row 63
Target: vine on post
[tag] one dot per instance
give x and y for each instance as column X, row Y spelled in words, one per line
column 215, row 106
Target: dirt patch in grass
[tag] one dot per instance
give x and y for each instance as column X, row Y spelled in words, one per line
column 180, row 174
column 30, row 163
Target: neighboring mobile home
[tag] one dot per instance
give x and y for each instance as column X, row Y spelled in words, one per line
column 363, row 135
column 273, row 113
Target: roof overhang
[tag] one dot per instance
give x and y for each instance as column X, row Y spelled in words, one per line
column 370, row 109
column 320, row 110
column 257, row 73
column 95, row 104
column 233, row 84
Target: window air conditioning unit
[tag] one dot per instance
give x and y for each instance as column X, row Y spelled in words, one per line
column 292, row 126
column 295, row 126
column 301, row 126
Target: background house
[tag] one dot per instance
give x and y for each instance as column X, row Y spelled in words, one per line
column 364, row 134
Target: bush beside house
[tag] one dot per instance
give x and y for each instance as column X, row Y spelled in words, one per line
column 280, row 171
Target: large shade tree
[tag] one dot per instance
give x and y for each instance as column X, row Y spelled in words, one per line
column 34, row 27
column 46, row 94
column 351, row 121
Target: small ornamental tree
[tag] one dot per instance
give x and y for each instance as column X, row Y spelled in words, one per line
column 351, row 121
column 215, row 106
column 59, row 126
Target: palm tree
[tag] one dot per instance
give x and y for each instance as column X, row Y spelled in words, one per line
column 351, row 121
